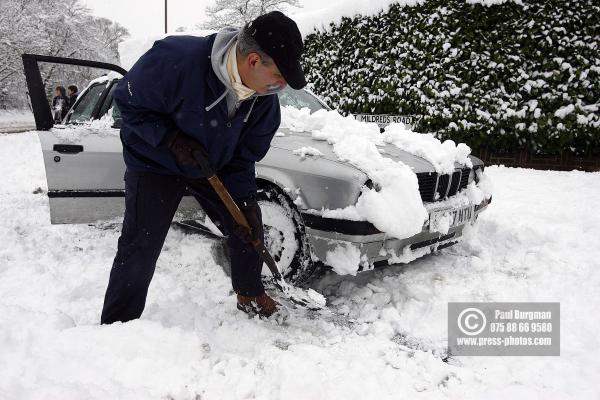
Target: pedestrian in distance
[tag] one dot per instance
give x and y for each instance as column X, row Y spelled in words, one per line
column 72, row 93
column 60, row 104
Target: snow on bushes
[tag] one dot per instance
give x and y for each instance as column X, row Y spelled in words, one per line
column 506, row 76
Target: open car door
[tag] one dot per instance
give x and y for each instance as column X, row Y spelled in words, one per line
column 83, row 156
column 83, row 159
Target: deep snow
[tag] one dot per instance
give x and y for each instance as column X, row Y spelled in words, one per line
column 538, row 241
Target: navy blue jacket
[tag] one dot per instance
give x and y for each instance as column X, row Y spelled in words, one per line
column 170, row 87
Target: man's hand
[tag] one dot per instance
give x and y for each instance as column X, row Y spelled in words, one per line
column 182, row 147
column 250, row 210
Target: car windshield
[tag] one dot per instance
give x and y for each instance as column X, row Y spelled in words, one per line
column 300, row 99
column 84, row 108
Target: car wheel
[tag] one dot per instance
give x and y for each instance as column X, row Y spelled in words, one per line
column 284, row 234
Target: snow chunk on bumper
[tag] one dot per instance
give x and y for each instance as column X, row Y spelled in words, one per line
column 344, row 259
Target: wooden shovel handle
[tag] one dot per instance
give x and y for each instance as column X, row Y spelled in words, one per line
column 201, row 158
column 236, row 213
column 225, row 197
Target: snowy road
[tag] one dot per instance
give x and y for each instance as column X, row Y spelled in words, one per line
column 538, row 241
column 12, row 121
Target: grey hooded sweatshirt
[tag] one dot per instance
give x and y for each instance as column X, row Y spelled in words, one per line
column 226, row 38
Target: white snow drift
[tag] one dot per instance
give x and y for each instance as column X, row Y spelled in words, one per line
column 537, row 242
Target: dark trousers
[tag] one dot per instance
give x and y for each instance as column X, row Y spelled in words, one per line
column 150, row 204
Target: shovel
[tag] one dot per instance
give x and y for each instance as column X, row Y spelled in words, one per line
column 309, row 299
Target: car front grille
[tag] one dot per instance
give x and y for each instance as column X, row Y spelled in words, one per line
column 464, row 179
column 445, row 185
column 427, row 181
column 442, row 186
column 455, row 183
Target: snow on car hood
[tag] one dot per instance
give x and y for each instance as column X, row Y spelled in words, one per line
column 347, row 140
column 398, row 143
column 296, row 141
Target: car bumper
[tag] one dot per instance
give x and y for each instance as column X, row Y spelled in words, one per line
column 325, row 234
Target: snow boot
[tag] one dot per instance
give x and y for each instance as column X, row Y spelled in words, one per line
column 262, row 305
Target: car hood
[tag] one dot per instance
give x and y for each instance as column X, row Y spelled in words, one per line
column 295, row 140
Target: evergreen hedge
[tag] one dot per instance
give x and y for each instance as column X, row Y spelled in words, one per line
column 504, row 77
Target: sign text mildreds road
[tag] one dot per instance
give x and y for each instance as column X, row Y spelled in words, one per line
column 384, row 120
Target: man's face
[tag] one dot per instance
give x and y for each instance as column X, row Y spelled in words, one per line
column 261, row 76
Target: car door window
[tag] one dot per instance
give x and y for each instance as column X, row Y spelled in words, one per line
column 116, row 114
column 85, row 107
column 110, row 106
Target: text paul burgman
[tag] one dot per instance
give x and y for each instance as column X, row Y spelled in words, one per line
column 523, row 315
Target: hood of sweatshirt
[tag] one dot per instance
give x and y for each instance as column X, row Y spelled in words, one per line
column 224, row 39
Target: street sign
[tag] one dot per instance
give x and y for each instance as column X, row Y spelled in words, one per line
column 384, row 120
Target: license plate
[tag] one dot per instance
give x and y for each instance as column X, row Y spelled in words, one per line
column 452, row 217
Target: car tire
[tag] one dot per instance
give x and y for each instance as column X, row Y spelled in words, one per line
column 285, row 236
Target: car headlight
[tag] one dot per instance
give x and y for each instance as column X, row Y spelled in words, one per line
column 478, row 171
column 471, row 175
column 370, row 185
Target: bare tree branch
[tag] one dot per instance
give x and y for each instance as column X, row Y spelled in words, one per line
column 238, row 12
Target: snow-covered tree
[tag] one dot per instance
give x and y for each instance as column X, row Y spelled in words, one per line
column 237, row 12
column 62, row 28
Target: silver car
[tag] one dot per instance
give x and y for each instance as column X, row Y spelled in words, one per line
column 85, row 168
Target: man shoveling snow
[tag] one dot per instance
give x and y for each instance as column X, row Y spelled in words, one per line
column 216, row 94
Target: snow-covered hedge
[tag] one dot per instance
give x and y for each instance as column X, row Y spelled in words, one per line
column 515, row 75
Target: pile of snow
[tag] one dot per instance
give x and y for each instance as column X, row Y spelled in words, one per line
column 106, row 78
column 442, row 155
column 307, row 151
column 344, row 259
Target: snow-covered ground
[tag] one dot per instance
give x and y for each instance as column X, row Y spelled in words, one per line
column 538, row 241
column 16, row 119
